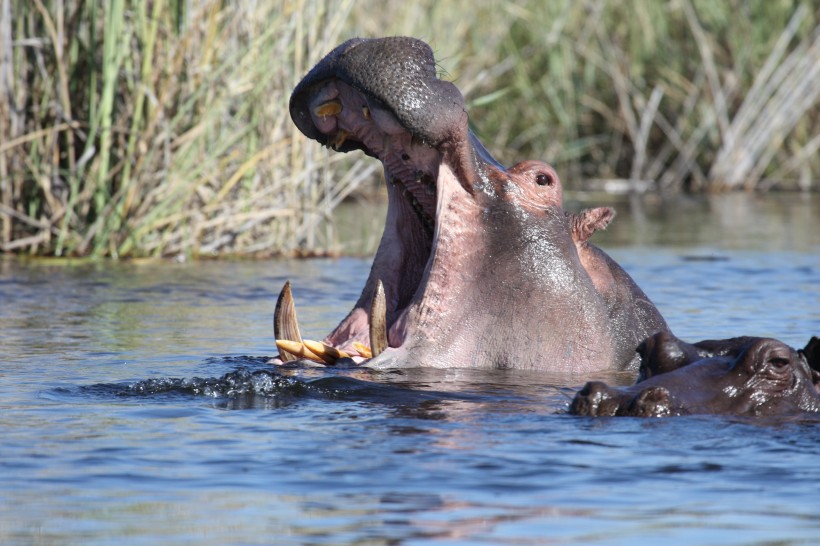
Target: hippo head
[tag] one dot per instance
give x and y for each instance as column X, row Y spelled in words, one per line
column 756, row 377
column 479, row 265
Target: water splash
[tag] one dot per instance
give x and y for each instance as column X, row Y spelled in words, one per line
column 232, row 384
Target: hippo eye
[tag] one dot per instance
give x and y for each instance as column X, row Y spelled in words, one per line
column 544, row 179
column 779, row 363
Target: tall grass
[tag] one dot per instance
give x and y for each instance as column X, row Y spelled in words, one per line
column 137, row 128
column 133, row 128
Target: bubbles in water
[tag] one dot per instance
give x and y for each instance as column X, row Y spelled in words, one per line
column 233, row 384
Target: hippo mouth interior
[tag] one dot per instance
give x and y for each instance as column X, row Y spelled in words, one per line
column 346, row 119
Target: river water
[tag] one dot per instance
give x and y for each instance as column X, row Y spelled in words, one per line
column 136, row 407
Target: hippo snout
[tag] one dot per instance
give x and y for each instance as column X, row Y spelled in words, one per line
column 650, row 402
column 595, row 399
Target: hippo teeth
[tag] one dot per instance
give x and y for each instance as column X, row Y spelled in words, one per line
column 328, row 354
column 285, row 325
column 311, row 350
column 293, row 347
column 329, row 108
column 296, row 349
column 340, row 138
column 378, row 320
column 363, row 349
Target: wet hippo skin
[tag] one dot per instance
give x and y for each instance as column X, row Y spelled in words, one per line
column 479, row 265
column 746, row 376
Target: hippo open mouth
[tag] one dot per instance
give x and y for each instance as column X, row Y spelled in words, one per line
column 384, row 97
column 476, row 261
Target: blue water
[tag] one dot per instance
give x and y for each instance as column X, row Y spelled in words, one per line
column 136, row 407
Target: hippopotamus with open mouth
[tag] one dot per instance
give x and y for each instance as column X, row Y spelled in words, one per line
column 479, row 265
column 745, row 376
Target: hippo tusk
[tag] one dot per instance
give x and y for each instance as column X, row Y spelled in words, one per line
column 378, row 320
column 366, row 112
column 285, row 325
column 329, row 108
column 363, row 349
column 341, row 136
column 328, row 354
column 297, row 349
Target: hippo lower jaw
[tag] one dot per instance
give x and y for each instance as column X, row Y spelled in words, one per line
column 430, row 210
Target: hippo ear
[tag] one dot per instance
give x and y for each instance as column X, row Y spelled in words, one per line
column 663, row 353
column 812, row 353
column 651, row 402
column 588, row 221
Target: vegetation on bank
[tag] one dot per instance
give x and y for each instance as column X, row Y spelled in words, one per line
column 136, row 128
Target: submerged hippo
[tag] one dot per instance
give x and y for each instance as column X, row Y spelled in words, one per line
column 747, row 376
column 479, row 265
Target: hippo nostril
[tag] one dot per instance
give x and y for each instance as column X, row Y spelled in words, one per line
column 651, row 402
column 594, row 391
column 594, row 399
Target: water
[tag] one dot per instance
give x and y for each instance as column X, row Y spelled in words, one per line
column 136, row 407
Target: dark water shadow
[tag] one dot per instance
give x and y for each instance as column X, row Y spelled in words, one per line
column 254, row 384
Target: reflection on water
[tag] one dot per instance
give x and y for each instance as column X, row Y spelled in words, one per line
column 137, row 406
column 784, row 221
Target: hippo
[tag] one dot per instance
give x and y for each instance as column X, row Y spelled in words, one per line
column 479, row 265
column 744, row 376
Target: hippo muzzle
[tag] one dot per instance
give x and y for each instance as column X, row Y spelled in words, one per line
column 745, row 376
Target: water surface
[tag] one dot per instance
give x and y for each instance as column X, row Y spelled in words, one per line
column 136, row 406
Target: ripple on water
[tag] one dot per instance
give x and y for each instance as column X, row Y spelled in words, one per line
column 114, row 427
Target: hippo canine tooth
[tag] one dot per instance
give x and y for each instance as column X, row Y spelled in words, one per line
column 378, row 320
column 285, row 325
column 363, row 349
column 297, row 349
column 330, row 108
column 327, row 353
column 366, row 112
column 341, row 136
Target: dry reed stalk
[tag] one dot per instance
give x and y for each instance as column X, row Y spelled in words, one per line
column 783, row 91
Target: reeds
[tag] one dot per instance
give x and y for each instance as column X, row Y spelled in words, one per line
column 162, row 128
column 682, row 95
column 134, row 128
